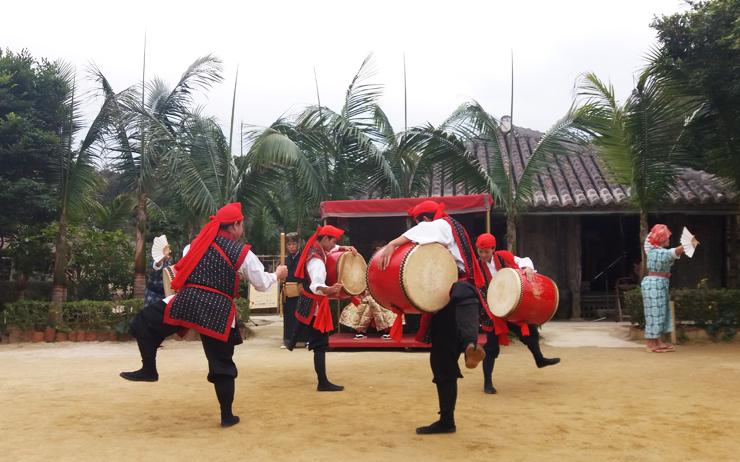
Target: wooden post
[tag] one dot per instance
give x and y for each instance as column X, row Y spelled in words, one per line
column 672, row 304
column 282, row 262
column 488, row 220
column 573, row 264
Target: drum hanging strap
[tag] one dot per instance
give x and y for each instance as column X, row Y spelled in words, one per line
column 397, row 327
column 501, row 329
column 323, row 322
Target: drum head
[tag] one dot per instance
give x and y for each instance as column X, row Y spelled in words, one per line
column 427, row 276
column 352, row 271
column 504, row 292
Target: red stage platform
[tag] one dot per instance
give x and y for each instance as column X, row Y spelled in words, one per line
column 347, row 340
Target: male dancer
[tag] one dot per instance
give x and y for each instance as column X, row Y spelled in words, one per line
column 207, row 281
column 292, row 242
column 313, row 311
column 492, row 260
column 455, row 327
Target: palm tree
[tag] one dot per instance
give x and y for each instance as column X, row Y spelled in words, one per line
column 470, row 124
column 153, row 124
column 78, row 181
column 330, row 154
column 639, row 139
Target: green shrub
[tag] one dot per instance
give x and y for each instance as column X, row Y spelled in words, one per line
column 716, row 310
column 242, row 309
column 26, row 314
column 82, row 315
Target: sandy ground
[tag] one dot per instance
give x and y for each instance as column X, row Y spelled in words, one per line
column 66, row 402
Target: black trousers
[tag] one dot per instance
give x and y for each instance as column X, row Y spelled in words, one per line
column 150, row 330
column 452, row 329
column 290, row 323
column 317, row 340
column 532, row 341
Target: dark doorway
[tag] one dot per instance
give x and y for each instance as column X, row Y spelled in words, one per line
column 610, row 250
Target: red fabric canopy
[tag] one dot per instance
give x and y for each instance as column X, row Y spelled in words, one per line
column 400, row 207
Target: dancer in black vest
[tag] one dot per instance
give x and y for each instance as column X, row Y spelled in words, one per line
column 313, row 312
column 207, row 281
column 497, row 330
column 454, row 328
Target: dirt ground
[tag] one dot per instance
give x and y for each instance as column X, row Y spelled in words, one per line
column 66, row 402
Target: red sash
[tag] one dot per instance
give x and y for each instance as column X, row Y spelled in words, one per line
column 323, row 321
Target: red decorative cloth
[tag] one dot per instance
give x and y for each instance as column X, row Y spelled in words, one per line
column 229, row 213
column 323, row 322
column 658, row 235
column 486, row 241
column 327, row 230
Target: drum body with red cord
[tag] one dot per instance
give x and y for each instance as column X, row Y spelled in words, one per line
column 417, row 279
column 513, row 297
column 347, row 269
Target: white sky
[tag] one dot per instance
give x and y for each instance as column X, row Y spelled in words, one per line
column 455, row 50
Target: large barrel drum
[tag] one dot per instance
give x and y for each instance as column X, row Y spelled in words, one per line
column 418, row 278
column 513, row 297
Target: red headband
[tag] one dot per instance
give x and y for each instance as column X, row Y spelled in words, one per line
column 486, row 241
column 230, row 213
column 327, row 230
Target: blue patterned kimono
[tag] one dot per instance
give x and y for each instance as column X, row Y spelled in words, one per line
column 655, row 292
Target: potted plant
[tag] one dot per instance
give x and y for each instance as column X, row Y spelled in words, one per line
column 50, row 334
column 62, row 333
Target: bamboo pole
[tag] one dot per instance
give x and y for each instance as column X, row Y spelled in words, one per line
column 488, row 220
column 282, row 262
column 672, row 304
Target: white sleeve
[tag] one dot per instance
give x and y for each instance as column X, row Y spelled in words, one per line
column 317, row 272
column 156, row 266
column 426, row 232
column 253, row 270
column 525, row 262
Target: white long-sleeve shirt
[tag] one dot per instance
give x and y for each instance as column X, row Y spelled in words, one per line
column 521, row 262
column 317, row 273
column 438, row 231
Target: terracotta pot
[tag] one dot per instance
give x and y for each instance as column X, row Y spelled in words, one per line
column 80, row 335
column 104, row 336
column 49, row 334
column 37, row 336
column 124, row 337
column 61, row 337
column 90, row 336
column 15, row 335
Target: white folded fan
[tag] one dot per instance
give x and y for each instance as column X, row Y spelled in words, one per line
column 158, row 247
column 687, row 241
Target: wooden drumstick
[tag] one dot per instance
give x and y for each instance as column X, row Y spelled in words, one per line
column 282, row 262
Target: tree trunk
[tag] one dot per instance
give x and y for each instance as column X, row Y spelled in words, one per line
column 644, row 230
column 21, row 284
column 140, row 248
column 59, row 287
column 511, row 233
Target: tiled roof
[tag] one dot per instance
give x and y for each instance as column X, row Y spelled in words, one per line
column 580, row 181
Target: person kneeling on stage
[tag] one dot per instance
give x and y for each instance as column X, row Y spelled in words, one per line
column 492, row 260
column 206, row 281
column 454, row 328
column 313, row 311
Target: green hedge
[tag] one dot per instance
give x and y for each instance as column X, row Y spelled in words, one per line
column 85, row 314
column 716, row 310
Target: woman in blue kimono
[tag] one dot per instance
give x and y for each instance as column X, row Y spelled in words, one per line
column 655, row 287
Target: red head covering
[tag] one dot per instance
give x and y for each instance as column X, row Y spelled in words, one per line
column 658, row 235
column 327, row 230
column 428, row 206
column 486, row 241
column 229, row 213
